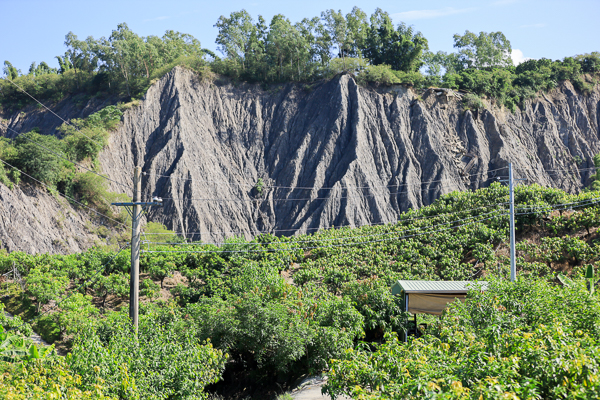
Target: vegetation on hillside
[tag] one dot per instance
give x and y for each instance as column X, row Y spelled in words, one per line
column 68, row 164
column 271, row 309
column 373, row 48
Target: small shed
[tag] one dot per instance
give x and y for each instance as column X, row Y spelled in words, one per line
column 432, row 297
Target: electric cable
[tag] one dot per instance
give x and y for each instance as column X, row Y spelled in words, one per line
column 64, row 195
column 40, row 103
column 320, row 247
column 330, row 239
column 312, row 187
column 66, row 159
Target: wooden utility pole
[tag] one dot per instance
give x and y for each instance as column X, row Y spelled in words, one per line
column 134, row 283
column 135, row 210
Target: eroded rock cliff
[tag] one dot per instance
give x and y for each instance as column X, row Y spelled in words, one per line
column 333, row 153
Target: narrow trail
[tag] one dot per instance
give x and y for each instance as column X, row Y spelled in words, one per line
column 35, row 337
column 310, row 389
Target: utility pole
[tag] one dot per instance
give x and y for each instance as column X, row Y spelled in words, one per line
column 513, row 266
column 135, row 210
column 134, row 281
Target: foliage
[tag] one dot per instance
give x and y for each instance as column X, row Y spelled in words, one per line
column 483, row 50
column 45, row 158
column 596, row 177
column 287, row 306
column 472, row 102
column 46, row 379
column 161, row 361
column 401, row 48
column 126, row 64
column 45, row 286
column 523, row 340
column 15, row 348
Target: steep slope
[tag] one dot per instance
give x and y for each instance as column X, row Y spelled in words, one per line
column 334, row 154
column 34, row 221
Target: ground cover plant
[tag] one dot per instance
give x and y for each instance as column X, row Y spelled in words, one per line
column 265, row 311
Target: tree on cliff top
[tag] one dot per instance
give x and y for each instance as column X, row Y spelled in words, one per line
column 483, row 50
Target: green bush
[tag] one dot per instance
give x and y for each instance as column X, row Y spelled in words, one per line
column 161, row 361
column 517, row 340
column 40, row 156
column 472, row 102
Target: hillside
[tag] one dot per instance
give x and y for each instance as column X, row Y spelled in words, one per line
column 328, row 154
column 254, row 316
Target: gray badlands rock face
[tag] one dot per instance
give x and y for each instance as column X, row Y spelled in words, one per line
column 334, row 153
column 34, row 221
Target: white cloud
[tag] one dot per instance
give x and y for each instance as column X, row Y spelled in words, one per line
column 518, row 57
column 424, row 14
column 157, row 18
column 533, row 26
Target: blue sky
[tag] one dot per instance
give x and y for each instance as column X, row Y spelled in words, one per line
column 34, row 30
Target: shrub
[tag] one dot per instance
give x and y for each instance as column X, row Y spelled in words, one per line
column 161, row 361
column 42, row 160
column 472, row 102
column 378, row 74
column 522, row 340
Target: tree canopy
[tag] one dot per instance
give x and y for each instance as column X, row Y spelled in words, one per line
column 374, row 48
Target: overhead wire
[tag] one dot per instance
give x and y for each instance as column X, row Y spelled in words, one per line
column 400, row 220
column 316, row 188
column 324, row 240
column 58, row 116
column 64, row 195
column 238, row 200
column 321, row 247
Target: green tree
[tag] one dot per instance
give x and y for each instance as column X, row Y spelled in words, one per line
column 237, row 35
column 39, row 156
column 484, row 50
column 112, row 285
column 401, row 48
column 337, row 28
column 161, row 269
column 45, row 286
column 358, row 26
column 9, row 71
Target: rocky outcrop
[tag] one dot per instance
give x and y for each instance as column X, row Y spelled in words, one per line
column 334, row 153
column 35, row 221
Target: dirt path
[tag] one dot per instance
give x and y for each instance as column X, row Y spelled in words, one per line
column 35, row 338
column 310, row 389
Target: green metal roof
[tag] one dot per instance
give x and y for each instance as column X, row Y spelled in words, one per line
column 436, row 286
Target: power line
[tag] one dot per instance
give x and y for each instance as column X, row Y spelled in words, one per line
column 238, row 200
column 556, row 169
column 401, row 220
column 40, row 103
column 66, row 159
column 319, row 247
column 584, row 202
column 64, row 195
column 312, row 187
column 326, row 240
